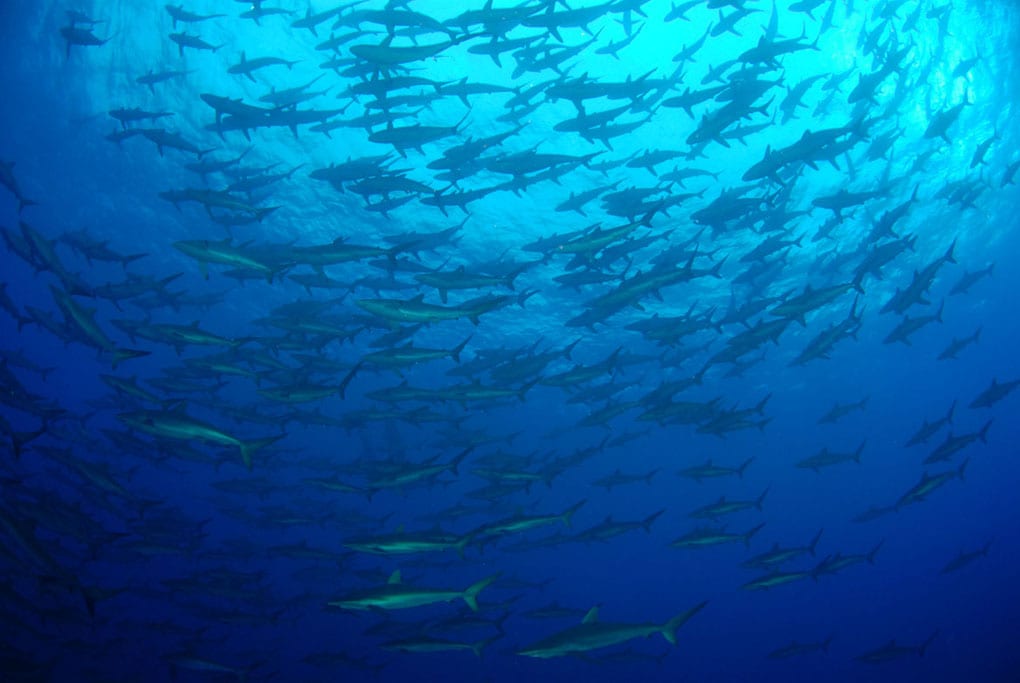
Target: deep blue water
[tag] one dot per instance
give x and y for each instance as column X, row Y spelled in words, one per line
column 133, row 551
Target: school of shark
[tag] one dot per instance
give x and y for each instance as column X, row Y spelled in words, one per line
column 508, row 340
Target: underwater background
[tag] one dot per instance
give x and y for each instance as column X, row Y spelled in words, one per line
column 383, row 341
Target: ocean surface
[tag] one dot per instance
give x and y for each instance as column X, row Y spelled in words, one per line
column 509, row 341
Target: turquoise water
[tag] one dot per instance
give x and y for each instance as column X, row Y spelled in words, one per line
column 534, row 318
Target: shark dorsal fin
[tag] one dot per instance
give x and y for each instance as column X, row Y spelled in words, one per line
column 592, row 617
column 394, row 578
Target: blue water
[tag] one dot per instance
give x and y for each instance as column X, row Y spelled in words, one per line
column 130, row 554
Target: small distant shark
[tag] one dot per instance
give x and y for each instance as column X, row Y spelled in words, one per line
column 8, row 180
column 591, row 634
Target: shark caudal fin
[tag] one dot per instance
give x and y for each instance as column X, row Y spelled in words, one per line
column 471, row 594
column 750, row 534
column 249, row 447
column 121, row 355
column 568, row 514
column 670, row 628
column 480, row 646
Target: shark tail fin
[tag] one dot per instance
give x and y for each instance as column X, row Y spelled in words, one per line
column 134, row 257
column 670, row 628
column 455, row 463
column 647, row 522
column 249, row 447
column 121, row 355
column 89, row 597
column 924, row 646
column 963, row 468
column 814, row 542
column 347, row 379
column 21, row 439
column 568, row 514
column 874, row 551
column 983, row 434
column 480, row 646
column 524, row 390
column 570, row 348
column 750, row 534
column 949, row 256
column 455, row 353
column 462, row 543
column 471, row 594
